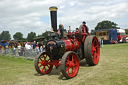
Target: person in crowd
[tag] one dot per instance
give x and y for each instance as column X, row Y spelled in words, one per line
column 34, row 44
column 41, row 48
column 27, row 49
column 19, row 49
column 40, row 44
column 99, row 42
column 15, row 45
column 37, row 48
column 102, row 42
column 77, row 30
column 19, row 46
column 27, row 46
column 13, row 50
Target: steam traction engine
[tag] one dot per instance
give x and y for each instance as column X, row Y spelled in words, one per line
column 67, row 51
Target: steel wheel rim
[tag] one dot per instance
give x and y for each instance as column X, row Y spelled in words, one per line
column 44, row 63
column 95, row 50
column 72, row 65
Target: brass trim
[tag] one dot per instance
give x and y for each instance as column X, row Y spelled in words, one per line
column 53, row 8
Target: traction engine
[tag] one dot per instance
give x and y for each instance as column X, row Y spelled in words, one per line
column 67, row 51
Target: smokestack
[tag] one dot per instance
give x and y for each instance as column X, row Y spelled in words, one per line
column 53, row 13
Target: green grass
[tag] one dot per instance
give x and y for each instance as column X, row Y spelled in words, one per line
column 111, row 70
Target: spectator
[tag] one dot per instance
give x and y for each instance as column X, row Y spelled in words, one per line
column 27, row 49
column 100, row 42
column 40, row 44
column 19, row 46
column 34, row 44
column 41, row 48
column 13, row 50
column 27, row 46
column 6, row 49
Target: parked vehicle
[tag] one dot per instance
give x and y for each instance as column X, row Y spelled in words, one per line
column 110, row 36
column 127, row 39
column 121, row 35
column 107, row 35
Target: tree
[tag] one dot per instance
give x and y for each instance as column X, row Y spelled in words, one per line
column 5, row 35
column 92, row 31
column 106, row 25
column 31, row 36
column 126, row 30
column 45, row 34
column 18, row 36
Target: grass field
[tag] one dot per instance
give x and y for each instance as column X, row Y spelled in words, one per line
column 111, row 70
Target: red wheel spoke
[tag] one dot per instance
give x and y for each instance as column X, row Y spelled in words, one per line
column 40, row 62
column 83, row 38
column 49, row 60
column 44, row 57
column 96, row 46
column 40, row 66
column 48, row 66
column 44, row 68
column 43, row 64
column 41, row 59
column 73, row 58
column 66, row 65
column 73, row 69
column 67, row 60
column 67, row 70
column 93, row 48
column 94, row 41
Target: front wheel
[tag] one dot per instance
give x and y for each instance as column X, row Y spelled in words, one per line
column 43, row 63
column 70, row 64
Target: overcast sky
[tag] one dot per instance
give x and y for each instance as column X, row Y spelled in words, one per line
column 33, row 15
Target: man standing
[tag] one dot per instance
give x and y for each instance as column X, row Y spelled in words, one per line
column 34, row 44
column 84, row 25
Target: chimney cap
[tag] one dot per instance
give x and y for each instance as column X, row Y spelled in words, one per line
column 53, row 8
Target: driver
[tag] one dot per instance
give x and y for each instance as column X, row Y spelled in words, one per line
column 85, row 27
column 60, row 30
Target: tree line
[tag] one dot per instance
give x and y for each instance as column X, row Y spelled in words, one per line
column 5, row 35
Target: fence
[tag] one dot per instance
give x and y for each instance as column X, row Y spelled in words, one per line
column 28, row 54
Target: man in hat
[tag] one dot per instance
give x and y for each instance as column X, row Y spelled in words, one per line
column 84, row 24
column 85, row 27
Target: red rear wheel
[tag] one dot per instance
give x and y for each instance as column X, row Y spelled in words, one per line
column 70, row 64
column 92, row 50
column 43, row 63
column 95, row 50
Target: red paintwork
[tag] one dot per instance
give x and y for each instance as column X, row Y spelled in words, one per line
column 119, row 37
column 44, row 63
column 72, row 66
column 71, row 44
column 95, row 50
column 84, row 33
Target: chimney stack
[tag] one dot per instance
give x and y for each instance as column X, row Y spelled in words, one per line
column 53, row 13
